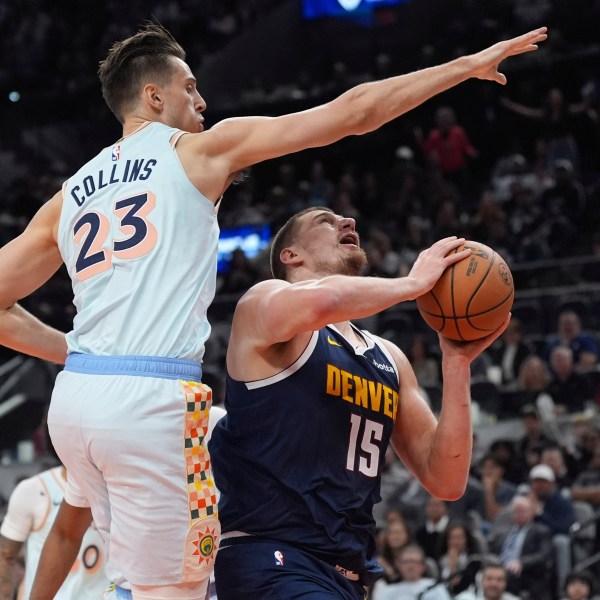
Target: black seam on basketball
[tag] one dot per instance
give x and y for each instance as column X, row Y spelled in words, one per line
column 454, row 318
column 485, row 275
column 479, row 314
column 441, row 316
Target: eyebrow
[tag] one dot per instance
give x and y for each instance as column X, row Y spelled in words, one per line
column 323, row 213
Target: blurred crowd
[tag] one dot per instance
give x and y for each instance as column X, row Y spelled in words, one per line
column 516, row 168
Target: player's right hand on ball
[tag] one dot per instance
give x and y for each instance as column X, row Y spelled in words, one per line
column 433, row 261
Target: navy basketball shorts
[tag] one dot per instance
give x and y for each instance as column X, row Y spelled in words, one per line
column 248, row 569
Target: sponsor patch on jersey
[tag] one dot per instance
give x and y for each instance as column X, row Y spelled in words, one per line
column 383, row 367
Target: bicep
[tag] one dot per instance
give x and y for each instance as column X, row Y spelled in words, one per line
column 30, row 259
column 276, row 311
column 246, row 141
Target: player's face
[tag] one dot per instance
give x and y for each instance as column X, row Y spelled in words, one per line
column 183, row 105
column 331, row 244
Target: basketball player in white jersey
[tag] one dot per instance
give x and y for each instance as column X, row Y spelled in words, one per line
column 137, row 230
column 32, row 508
column 72, row 525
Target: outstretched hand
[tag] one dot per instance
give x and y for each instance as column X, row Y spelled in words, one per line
column 487, row 61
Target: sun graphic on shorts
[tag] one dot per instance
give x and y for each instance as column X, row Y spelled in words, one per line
column 205, row 545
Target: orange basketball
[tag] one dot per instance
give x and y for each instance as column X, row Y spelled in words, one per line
column 472, row 297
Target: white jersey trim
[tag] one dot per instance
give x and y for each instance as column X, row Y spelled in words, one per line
column 299, row 363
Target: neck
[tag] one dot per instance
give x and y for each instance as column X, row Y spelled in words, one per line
column 132, row 124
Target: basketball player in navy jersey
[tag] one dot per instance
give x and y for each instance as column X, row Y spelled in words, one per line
column 130, row 398
column 312, row 403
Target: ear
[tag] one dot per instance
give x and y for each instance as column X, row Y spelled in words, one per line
column 152, row 97
column 289, row 257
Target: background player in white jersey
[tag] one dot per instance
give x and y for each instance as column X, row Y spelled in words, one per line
column 66, row 537
column 136, row 228
column 312, row 404
column 32, row 508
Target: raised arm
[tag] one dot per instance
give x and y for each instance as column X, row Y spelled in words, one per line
column 240, row 142
column 275, row 311
column 525, row 111
column 26, row 263
column 439, row 453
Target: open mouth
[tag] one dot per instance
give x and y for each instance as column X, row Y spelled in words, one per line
column 350, row 239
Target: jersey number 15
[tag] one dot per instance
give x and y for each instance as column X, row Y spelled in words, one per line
column 368, row 454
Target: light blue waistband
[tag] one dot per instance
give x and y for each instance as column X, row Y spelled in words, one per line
column 141, row 366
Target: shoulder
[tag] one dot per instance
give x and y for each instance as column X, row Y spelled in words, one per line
column 259, row 292
column 28, row 487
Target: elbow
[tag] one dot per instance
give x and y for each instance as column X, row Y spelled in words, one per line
column 450, row 493
column 448, row 490
column 360, row 112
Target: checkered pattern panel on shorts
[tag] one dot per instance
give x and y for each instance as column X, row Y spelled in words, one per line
column 202, row 493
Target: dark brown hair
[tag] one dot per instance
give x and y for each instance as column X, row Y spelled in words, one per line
column 133, row 62
column 284, row 237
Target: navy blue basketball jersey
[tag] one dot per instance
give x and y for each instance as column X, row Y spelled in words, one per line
column 298, row 456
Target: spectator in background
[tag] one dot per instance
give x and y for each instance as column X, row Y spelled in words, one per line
column 240, row 276
column 524, row 548
column 384, row 261
column 557, row 123
column 498, row 491
column 414, row 580
column 459, row 550
column 586, row 350
column 492, row 582
column 569, row 389
column 504, row 450
column 429, row 536
column 564, row 205
column 554, row 457
column 579, row 585
column 586, row 488
column 554, row 510
column 510, row 351
column 448, row 147
column 426, row 367
column 532, row 383
column 392, row 540
column 534, row 433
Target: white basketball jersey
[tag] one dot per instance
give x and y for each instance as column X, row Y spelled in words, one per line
column 87, row 579
column 140, row 243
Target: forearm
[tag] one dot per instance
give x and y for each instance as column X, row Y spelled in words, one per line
column 451, row 448
column 375, row 103
column 56, row 561
column 7, row 578
column 21, row 331
column 9, row 552
column 348, row 298
column 583, row 494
